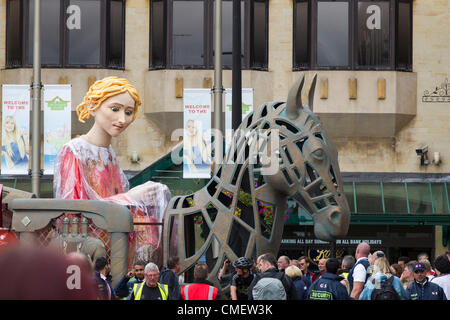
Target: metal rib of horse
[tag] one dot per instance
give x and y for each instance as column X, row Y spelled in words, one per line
column 257, row 177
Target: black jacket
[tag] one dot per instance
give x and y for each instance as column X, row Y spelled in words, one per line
column 428, row 291
column 301, row 287
column 102, row 290
column 170, row 278
column 125, row 286
column 291, row 292
column 328, row 287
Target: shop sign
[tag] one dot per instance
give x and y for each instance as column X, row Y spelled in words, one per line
column 338, row 241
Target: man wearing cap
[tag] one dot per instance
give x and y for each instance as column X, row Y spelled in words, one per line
column 422, row 288
column 442, row 267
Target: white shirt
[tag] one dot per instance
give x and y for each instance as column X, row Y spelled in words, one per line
column 443, row 282
column 360, row 272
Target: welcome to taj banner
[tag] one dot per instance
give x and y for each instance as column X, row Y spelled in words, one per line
column 247, row 107
column 15, row 129
column 57, row 122
column 197, row 133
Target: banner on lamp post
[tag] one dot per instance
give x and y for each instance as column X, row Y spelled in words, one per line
column 197, row 133
column 15, row 129
column 57, row 122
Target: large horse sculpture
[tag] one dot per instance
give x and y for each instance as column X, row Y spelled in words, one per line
column 228, row 209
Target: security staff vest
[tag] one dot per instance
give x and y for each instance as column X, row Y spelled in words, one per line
column 138, row 287
column 198, row 291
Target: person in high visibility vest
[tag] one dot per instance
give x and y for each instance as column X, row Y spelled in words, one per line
column 151, row 289
column 201, row 289
column 347, row 263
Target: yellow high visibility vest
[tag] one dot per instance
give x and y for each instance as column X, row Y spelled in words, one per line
column 138, row 287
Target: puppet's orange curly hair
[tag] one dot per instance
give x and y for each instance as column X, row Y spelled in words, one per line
column 104, row 89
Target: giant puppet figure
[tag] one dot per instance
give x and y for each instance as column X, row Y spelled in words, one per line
column 87, row 167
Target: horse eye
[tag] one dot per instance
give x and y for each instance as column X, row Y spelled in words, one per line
column 318, row 154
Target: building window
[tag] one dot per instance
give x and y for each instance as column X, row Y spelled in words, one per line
column 332, row 33
column 353, row 34
column 182, row 34
column 74, row 33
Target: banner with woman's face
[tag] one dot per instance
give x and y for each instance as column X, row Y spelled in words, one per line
column 15, row 129
column 197, row 133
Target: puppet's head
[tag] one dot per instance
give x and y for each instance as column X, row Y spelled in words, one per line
column 104, row 89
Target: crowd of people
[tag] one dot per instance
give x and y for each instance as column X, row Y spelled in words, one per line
column 365, row 276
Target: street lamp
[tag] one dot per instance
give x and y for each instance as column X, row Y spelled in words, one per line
column 36, row 104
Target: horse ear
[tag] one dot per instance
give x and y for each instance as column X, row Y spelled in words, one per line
column 312, row 89
column 294, row 101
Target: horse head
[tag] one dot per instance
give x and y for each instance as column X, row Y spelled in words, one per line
column 306, row 162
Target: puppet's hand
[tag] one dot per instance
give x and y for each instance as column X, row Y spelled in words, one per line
column 145, row 194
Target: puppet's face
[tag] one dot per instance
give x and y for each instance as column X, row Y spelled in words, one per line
column 115, row 114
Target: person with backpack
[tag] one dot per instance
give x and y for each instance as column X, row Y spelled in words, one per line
column 270, row 283
column 328, row 286
column 383, row 285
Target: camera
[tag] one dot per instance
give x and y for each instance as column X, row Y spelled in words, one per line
column 423, row 153
column 422, row 150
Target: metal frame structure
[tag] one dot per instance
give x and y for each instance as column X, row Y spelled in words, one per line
column 31, row 215
column 307, row 170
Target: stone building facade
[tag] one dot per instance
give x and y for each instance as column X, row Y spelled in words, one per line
column 377, row 114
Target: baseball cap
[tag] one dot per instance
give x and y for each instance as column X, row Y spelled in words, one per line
column 419, row 267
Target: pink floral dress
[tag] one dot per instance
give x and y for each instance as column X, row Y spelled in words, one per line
column 86, row 171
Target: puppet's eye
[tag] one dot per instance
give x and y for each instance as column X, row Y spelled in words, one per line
column 318, row 154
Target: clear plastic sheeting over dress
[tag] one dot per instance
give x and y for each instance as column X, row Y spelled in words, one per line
column 86, row 171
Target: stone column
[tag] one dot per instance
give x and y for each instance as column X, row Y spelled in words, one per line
column 119, row 255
